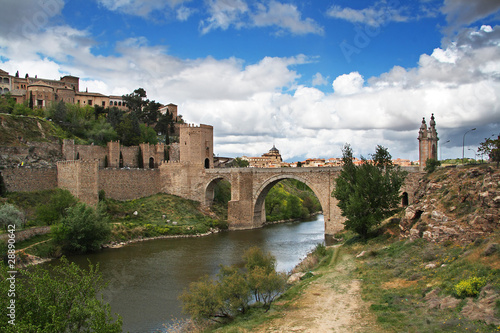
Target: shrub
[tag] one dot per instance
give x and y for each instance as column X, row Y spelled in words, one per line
column 84, row 229
column 52, row 212
column 431, row 165
column 470, row 287
column 10, row 215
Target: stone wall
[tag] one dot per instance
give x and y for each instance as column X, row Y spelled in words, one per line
column 29, row 179
column 128, row 184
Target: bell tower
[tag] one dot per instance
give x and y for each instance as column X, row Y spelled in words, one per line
column 427, row 142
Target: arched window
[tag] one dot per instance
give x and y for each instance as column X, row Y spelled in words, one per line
column 119, row 103
column 151, row 163
column 207, row 163
column 77, row 156
column 121, row 160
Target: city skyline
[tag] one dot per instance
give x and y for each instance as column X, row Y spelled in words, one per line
column 305, row 77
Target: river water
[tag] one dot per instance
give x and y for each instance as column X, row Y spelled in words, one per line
column 146, row 278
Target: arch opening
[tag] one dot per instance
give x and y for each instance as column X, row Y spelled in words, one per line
column 404, row 199
column 151, row 163
column 207, row 163
column 218, row 195
column 285, row 198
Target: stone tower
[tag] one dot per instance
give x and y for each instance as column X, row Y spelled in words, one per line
column 427, row 142
column 196, row 145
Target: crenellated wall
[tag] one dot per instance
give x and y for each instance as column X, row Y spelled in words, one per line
column 81, row 178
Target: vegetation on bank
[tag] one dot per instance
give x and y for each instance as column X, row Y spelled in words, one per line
column 63, row 299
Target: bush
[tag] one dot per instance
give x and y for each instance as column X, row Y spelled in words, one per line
column 10, row 215
column 231, row 293
column 470, row 287
column 431, row 165
column 63, row 299
column 52, row 212
column 84, row 229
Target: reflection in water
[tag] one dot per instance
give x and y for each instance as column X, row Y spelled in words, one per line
column 146, row 278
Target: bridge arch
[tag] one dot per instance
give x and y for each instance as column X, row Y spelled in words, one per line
column 209, row 191
column 259, row 216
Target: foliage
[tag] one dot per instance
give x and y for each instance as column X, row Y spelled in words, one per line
column 491, row 147
column 238, row 162
column 55, row 209
column 369, row 192
column 431, row 165
column 148, row 135
column 63, row 299
column 230, row 295
column 290, row 199
column 7, row 103
column 101, row 132
column 470, row 287
column 10, row 215
column 83, row 229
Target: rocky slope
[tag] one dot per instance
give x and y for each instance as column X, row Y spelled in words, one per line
column 455, row 204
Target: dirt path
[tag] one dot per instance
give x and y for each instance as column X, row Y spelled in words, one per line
column 331, row 303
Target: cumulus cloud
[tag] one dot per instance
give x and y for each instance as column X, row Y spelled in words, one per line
column 348, row 84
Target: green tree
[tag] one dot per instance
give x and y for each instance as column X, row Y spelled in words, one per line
column 83, row 229
column 491, row 147
column 56, row 208
column 367, row 193
column 165, row 126
column 101, row 132
column 129, row 130
column 10, row 215
column 63, row 299
column 7, row 103
column 238, row 162
column 148, row 135
column 3, row 187
column 230, row 295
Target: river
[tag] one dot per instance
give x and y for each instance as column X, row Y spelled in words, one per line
column 146, row 278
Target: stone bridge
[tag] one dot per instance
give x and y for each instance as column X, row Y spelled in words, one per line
column 249, row 187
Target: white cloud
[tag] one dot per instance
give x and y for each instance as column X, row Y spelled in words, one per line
column 348, row 84
column 286, row 17
column 381, row 13
column 141, row 8
column 319, row 80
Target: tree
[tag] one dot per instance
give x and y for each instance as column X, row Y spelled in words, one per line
column 135, row 101
column 165, row 126
column 63, row 299
column 491, row 147
column 56, row 208
column 7, row 103
column 230, row 295
column 84, row 229
column 10, row 215
column 367, row 193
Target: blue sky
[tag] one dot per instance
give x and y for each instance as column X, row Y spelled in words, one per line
column 307, row 76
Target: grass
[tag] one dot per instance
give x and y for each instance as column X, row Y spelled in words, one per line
column 396, row 278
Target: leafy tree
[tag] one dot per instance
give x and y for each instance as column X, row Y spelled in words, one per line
column 148, row 135
column 431, row 165
column 231, row 293
column 150, row 112
column 367, row 193
column 129, row 130
column 135, row 101
column 382, row 158
column 115, row 116
column 165, row 126
column 7, row 103
column 491, row 147
column 10, row 215
column 101, row 132
column 84, row 229
column 238, row 162
column 63, row 299
column 56, row 208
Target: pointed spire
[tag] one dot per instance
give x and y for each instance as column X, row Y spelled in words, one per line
column 432, row 123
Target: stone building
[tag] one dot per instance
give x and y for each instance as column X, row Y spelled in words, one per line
column 41, row 92
column 271, row 159
column 427, row 142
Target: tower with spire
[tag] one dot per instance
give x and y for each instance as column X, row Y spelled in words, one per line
column 427, row 142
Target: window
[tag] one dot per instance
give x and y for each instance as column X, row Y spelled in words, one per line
column 90, row 102
column 6, row 80
column 119, row 103
column 103, row 103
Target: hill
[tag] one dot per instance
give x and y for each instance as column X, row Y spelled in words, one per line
column 28, row 140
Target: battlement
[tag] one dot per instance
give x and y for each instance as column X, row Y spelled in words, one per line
column 187, row 125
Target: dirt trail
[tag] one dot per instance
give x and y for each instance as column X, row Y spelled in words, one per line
column 331, row 303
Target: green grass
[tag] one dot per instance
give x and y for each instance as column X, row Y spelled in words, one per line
column 396, row 280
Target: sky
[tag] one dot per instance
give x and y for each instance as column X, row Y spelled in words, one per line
column 305, row 76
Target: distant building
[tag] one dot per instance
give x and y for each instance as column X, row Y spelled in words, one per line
column 40, row 92
column 272, row 159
